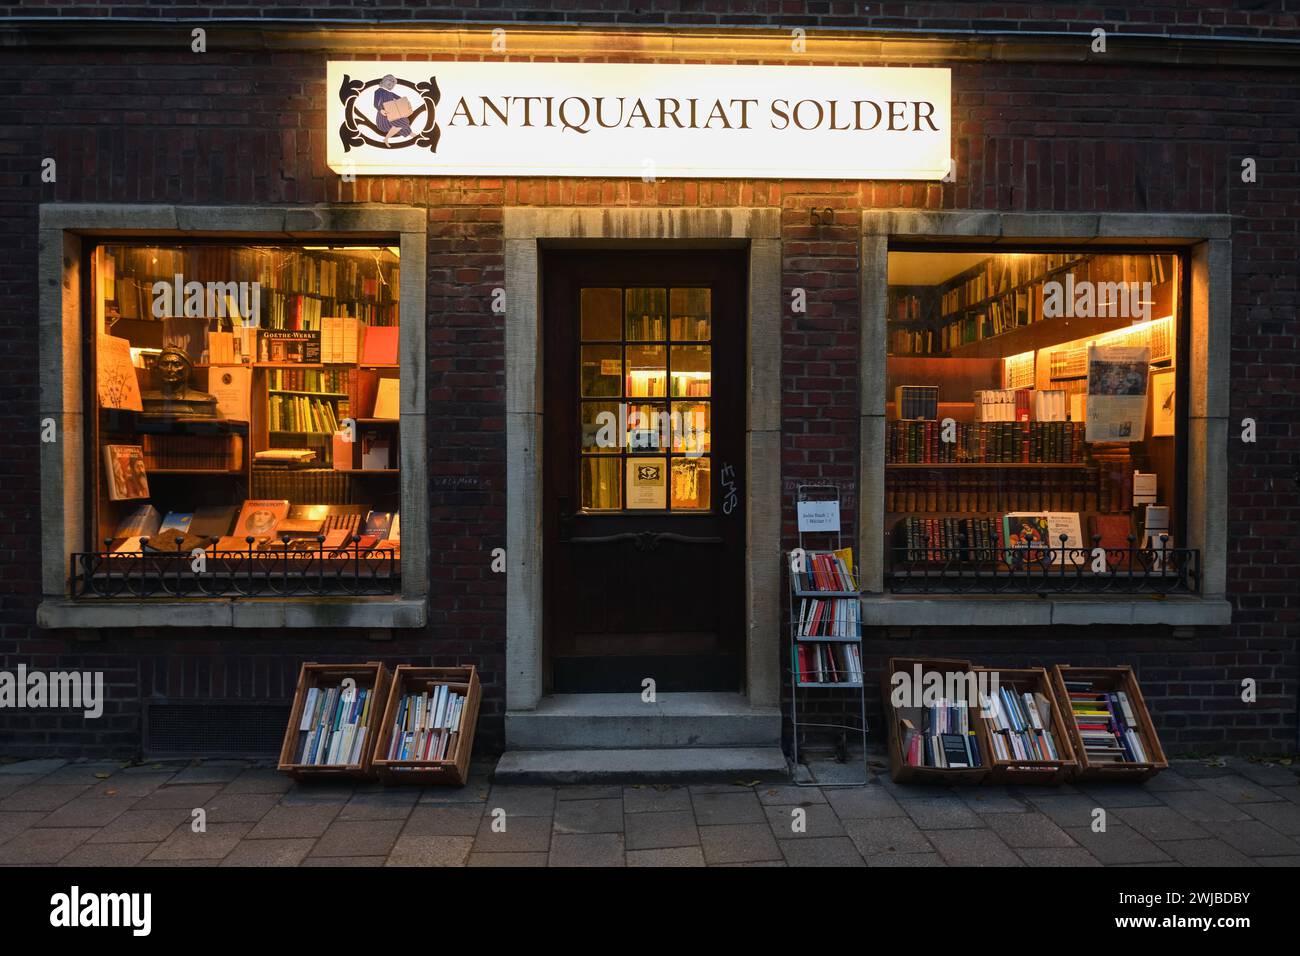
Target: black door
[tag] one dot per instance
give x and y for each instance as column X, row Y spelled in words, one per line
column 644, row 549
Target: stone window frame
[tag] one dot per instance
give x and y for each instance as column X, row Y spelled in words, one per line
column 63, row 226
column 1207, row 241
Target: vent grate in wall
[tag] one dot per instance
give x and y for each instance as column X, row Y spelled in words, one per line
column 213, row 729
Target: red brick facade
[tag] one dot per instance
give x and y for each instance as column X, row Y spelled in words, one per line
column 162, row 125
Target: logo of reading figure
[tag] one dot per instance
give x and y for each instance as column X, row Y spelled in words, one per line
column 389, row 113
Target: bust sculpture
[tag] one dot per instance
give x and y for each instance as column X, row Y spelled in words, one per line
column 174, row 398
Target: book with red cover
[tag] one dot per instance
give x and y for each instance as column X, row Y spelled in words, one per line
column 259, row 518
column 380, row 346
column 1114, row 531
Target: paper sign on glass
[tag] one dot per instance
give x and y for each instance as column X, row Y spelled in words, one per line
column 819, row 516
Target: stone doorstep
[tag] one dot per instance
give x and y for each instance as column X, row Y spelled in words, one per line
column 625, row 721
column 663, row 765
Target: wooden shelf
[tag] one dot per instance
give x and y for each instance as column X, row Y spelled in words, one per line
column 194, row 471
column 294, row 391
column 370, row 471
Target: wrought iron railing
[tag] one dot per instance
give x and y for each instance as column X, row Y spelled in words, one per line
column 918, row 568
column 278, row 571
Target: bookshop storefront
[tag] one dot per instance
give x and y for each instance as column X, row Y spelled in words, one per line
column 553, row 384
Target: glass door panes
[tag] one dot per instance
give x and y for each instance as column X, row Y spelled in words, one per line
column 646, row 367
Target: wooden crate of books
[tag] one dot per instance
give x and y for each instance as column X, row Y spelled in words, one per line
column 427, row 734
column 906, row 721
column 1025, row 729
column 333, row 726
column 1109, row 724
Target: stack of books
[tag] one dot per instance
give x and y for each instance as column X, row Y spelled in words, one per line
column 1019, row 725
column 827, row 571
column 333, row 726
column 828, row 617
column 1107, row 724
column 427, row 725
column 945, row 740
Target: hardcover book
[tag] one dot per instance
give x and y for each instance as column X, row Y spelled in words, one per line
column 259, row 517
column 125, row 472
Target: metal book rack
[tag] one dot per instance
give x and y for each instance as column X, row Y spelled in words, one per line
column 802, row 590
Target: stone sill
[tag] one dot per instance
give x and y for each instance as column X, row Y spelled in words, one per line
column 360, row 612
column 986, row 611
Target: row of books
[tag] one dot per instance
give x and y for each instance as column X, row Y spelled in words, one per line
column 302, row 413
column 1019, row 725
column 333, row 726
column 658, row 383
column 326, row 486
column 916, row 401
column 838, row 663
column 825, row 571
column 192, row 452
column 332, row 380
column 912, row 491
column 1017, row 537
column 939, row 735
column 427, row 724
column 920, row 442
column 828, row 617
column 330, row 276
column 1107, row 724
column 264, row 520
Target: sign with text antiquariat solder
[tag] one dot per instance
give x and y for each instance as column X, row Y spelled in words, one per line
column 638, row 120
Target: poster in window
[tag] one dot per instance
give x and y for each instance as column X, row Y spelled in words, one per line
column 1117, row 393
column 116, row 382
column 1162, row 403
column 647, row 483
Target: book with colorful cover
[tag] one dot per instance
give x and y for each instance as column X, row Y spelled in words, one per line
column 1025, row 537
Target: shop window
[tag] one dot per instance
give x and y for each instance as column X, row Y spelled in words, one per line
column 645, row 372
column 245, row 435
column 1034, row 438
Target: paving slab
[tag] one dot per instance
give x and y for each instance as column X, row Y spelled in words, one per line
column 178, row 798
column 589, row 816
column 1253, row 838
column 905, row 859
column 41, row 796
column 1282, row 817
column 286, row 823
column 260, row 780
column 268, row 853
column 821, row 851
column 1236, row 789
column 358, row 838
column 14, row 822
column 661, row 830
column 508, row 859
column 211, row 845
column 518, row 801
column 863, row 803
column 393, row 804
column 819, row 821
column 1160, row 823
column 586, row 849
column 738, row 843
column 1057, row 856
column 333, row 862
column 43, row 846
column 1205, row 853
column 1114, row 795
column 655, row 799
column 1269, row 774
column 1072, row 810
column 993, row 800
column 222, row 772
column 472, row 792
column 720, row 808
column 447, row 820
column 88, row 812
column 673, row 856
column 129, row 785
column 777, row 795
column 87, row 771
column 332, row 794
column 521, row 835
column 599, row 792
column 240, row 807
column 1025, row 830
column 1118, row 845
column 412, row 850
column 1170, row 780
column 142, row 826
column 108, row 854
column 890, row 835
column 1201, row 805
column 973, row 848
column 944, row 814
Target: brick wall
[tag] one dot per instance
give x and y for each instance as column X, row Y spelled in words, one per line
column 230, row 127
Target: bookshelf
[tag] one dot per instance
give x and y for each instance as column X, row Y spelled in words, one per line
column 427, row 733
column 825, row 636
column 319, row 353
column 311, row 749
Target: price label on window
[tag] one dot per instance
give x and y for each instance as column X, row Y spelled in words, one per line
column 819, row 516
